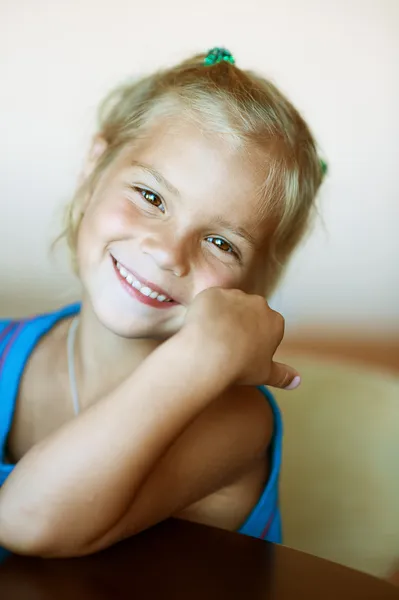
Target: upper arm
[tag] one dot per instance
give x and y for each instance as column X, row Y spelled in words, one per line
column 225, row 444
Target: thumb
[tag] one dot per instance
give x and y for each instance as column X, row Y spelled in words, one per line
column 284, row 377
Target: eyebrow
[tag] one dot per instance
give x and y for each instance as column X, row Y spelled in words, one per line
column 240, row 231
column 158, row 177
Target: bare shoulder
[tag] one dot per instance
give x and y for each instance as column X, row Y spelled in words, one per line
column 239, row 428
column 245, row 410
column 232, row 433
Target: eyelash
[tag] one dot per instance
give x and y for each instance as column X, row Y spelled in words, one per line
column 211, row 238
column 143, row 191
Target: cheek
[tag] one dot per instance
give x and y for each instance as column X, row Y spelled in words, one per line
column 103, row 223
column 251, row 281
column 210, row 277
column 109, row 219
column 255, row 279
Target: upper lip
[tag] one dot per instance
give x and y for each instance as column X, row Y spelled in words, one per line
column 149, row 284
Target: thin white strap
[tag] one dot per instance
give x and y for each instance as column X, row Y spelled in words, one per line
column 71, row 364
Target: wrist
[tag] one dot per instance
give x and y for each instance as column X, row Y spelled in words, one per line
column 210, row 360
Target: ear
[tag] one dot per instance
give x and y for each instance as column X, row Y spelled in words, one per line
column 97, row 149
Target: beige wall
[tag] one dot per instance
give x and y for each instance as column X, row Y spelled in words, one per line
column 338, row 61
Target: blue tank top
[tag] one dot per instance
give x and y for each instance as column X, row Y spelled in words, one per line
column 18, row 340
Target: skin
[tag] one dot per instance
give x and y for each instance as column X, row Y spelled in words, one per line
column 175, row 427
column 394, row 578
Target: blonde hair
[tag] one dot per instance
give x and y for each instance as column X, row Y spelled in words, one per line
column 228, row 100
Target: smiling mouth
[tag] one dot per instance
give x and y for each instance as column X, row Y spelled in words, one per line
column 142, row 288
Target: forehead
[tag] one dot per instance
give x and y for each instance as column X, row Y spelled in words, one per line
column 216, row 173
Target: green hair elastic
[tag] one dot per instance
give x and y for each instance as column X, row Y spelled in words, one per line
column 324, row 167
column 217, row 55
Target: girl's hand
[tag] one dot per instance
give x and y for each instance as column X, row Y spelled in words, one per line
column 242, row 333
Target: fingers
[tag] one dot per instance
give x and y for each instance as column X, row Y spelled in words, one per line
column 284, row 377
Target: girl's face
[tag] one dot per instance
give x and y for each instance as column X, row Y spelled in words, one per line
column 174, row 214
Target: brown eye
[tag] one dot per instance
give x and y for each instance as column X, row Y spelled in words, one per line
column 220, row 243
column 152, row 198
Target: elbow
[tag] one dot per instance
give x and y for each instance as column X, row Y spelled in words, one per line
column 36, row 542
column 24, row 536
column 20, row 540
column 26, row 527
column 31, row 533
column 49, row 529
column 43, row 537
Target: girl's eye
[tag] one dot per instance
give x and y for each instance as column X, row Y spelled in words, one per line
column 152, row 198
column 221, row 244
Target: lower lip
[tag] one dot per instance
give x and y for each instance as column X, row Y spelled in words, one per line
column 139, row 296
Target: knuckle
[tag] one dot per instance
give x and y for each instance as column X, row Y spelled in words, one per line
column 279, row 324
column 281, row 321
column 260, row 302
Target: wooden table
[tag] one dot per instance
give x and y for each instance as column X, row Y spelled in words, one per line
column 179, row 560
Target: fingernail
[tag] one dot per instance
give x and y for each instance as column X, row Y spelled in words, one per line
column 294, row 383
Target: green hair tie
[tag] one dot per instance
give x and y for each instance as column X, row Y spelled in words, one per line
column 217, row 55
column 324, row 167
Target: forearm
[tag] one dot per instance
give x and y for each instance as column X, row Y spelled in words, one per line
column 80, row 481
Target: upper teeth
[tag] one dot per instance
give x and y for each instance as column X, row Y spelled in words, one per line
column 143, row 289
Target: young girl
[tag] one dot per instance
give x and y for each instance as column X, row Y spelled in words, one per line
column 140, row 402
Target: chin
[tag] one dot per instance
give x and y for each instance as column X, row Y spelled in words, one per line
column 133, row 321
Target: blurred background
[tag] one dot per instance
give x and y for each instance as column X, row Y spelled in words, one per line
column 337, row 61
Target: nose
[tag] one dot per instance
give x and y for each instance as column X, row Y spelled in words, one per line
column 169, row 251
